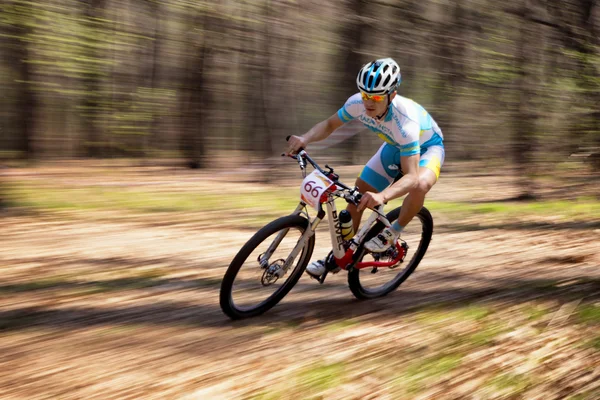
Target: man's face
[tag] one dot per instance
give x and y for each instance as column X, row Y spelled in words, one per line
column 374, row 107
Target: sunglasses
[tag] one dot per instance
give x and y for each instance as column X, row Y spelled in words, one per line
column 375, row 97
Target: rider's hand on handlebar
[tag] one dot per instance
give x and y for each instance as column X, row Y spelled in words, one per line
column 370, row 200
column 295, row 144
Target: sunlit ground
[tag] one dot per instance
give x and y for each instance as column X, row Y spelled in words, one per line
column 111, row 277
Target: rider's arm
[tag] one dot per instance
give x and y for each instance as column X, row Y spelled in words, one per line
column 408, row 182
column 323, row 129
column 318, row 132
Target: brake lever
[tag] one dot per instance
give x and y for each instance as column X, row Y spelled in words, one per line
column 382, row 218
column 298, row 157
column 301, row 160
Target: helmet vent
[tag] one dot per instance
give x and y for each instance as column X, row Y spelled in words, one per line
column 379, row 76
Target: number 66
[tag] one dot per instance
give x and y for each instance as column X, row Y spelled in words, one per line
column 309, row 188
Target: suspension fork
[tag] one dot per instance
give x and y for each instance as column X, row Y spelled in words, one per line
column 264, row 258
column 310, row 231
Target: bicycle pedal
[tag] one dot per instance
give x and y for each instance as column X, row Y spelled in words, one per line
column 321, row 279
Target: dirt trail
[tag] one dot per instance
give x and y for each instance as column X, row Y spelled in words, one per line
column 114, row 306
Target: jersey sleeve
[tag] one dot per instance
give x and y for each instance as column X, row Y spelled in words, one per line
column 351, row 109
column 409, row 140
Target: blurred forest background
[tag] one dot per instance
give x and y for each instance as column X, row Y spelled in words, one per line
column 140, row 145
column 511, row 82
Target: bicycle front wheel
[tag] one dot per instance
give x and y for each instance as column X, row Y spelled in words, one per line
column 369, row 283
column 255, row 280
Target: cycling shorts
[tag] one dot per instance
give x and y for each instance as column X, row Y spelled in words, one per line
column 384, row 167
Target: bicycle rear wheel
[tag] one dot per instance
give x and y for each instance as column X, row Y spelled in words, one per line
column 249, row 288
column 369, row 283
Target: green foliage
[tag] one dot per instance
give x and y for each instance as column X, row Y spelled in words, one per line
column 594, row 343
column 342, row 325
column 589, row 314
column 423, row 372
column 581, row 209
column 310, row 382
column 30, row 195
column 535, row 312
column 118, row 78
column 510, row 384
column 441, row 313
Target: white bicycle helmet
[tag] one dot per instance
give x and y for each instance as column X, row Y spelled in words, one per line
column 379, row 77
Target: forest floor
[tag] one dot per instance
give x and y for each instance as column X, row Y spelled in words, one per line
column 111, row 275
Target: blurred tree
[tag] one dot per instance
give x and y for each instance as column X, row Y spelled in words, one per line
column 451, row 49
column 104, row 78
column 577, row 23
column 280, row 46
column 93, row 11
column 17, row 24
column 590, row 75
column 348, row 61
column 525, row 116
column 258, row 79
column 153, row 71
column 196, row 96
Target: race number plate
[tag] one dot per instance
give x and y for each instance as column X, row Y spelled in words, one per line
column 313, row 186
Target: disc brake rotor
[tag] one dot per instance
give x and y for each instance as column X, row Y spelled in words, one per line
column 273, row 272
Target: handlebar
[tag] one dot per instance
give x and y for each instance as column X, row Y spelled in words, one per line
column 351, row 195
column 302, row 157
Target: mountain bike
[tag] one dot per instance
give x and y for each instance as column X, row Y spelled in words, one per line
column 272, row 261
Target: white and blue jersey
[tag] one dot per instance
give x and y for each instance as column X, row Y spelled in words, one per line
column 407, row 129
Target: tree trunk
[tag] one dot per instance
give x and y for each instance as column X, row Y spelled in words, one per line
column 591, row 72
column 257, row 138
column 154, row 138
column 28, row 105
column 451, row 50
column 524, row 118
column 350, row 62
column 94, row 10
column 18, row 54
column 196, row 101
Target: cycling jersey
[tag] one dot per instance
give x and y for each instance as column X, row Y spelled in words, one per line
column 406, row 126
column 407, row 129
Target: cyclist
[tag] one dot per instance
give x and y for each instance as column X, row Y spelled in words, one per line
column 413, row 150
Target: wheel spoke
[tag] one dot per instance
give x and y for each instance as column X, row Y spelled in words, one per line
column 376, row 282
column 258, row 278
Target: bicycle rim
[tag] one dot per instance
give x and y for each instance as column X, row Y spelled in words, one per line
column 256, row 288
column 370, row 282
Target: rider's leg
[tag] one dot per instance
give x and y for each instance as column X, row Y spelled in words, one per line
column 413, row 202
column 375, row 177
column 357, row 215
column 410, row 207
column 430, row 165
column 318, row 267
column 379, row 172
column 429, row 172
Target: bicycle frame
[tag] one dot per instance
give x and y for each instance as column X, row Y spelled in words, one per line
column 344, row 257
column 344, row 252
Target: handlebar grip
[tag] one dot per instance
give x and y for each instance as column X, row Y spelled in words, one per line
column 287, row 139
